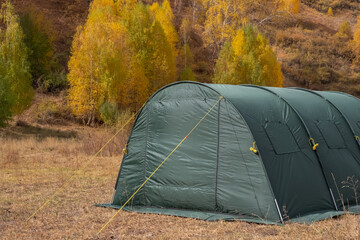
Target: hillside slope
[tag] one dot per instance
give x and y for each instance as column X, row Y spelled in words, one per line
column 306, row 44
column 64, row 16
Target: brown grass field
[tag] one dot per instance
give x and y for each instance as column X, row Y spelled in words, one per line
column 36, row 160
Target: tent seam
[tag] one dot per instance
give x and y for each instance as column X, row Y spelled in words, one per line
column 217, row 158
column 146, row 148
column 341, row 114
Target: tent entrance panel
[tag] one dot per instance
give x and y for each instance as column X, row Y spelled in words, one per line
column 187, row 180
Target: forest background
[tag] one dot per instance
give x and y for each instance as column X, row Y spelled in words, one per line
column 104, row 58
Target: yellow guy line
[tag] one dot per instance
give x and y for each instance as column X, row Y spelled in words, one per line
column 84, row 165
column 160, row 165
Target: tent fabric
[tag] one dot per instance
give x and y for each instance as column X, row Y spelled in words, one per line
column 213, row 174
column 338, row 151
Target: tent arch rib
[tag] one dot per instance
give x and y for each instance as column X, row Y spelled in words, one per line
column 335, row 107
column 286, row 102
column 356, row 136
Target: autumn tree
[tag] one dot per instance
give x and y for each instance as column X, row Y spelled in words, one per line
column 330, row 12
column 132, row 55
column 16, row 92
column 164, row 15
column 187, row 60
column 277, row 9
column 225, row 68
column 222, row 19
column 185, row 30
column 98, row 65
column 6, row 96
column 290, row 6
column 154, row 50
column 186, row 57
column 344, row 31
column 357, row 37
column 249, row 59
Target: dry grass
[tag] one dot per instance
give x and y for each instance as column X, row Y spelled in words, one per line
column 33, row 165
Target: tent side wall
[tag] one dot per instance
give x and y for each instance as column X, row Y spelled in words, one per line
column 212, row 171
column 349, row 106
column 337, row 149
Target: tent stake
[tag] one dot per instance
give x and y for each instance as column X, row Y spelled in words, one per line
column 332, row 196
column 277, row 206
column 112, row 197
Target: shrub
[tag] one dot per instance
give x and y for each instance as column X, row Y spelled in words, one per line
column 187, row 74
column 54, row 82
column 109, row 113
column 123, row 117
column 344, row 31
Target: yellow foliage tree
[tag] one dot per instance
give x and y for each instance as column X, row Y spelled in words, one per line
column 330, row 12
column 357, row 37
column 344, row 31
column 124, row 52
column 186, row 62
column 185, row 30
column 162, row 68
column 153, row 49
column 223, row 17
column 249, row 59
column 164, row 15
column 291, row 6
column 100, row 67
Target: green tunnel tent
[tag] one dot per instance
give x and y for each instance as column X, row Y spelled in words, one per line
column 307, row 148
